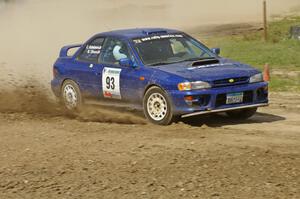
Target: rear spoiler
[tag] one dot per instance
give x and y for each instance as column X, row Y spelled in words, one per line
column 65, row 49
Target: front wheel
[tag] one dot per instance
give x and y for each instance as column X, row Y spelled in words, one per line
column 242, row 114
column 157, row 107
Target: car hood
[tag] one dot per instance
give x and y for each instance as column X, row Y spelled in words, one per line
column 224, row 69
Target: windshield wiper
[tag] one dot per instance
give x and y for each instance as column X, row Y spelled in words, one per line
column 195, row 59
column 190, row 59
column 159, row 63
column 198, row 59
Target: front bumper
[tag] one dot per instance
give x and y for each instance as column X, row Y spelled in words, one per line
column 225, row 109
column 214, row 99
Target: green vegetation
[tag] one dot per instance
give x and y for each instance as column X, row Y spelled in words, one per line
column 281, row 52
column 279, row 83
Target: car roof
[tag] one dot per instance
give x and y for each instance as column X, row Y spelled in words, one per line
column 138, row 32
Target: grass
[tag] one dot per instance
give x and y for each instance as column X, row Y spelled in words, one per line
column 278, row 83
column 280, row 52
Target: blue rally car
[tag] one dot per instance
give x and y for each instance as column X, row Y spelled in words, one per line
column 167, row 72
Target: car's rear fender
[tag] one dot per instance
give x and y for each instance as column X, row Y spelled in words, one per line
column 56, row 85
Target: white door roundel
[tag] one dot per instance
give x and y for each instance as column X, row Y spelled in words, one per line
column 111, row 82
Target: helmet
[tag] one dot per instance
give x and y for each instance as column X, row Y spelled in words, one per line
column 117, row 54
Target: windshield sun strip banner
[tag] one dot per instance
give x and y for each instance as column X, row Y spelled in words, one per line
column 156, row 37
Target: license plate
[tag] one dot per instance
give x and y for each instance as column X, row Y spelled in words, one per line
column 234, row 98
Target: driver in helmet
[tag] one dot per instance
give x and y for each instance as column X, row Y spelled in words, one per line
column 118, row 52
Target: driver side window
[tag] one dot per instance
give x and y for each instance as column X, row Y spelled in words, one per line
column 113, row 51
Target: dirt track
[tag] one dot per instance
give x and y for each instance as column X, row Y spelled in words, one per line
column 45, row 155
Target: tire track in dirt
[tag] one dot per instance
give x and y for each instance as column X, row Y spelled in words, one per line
column 58, row 157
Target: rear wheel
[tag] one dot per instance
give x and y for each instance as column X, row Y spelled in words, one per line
column 157, row 107
column 71, row 96
column 242, row 114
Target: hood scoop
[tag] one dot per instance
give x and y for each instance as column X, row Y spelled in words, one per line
column 208, row 61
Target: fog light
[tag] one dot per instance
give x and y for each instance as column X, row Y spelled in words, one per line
column 188, row 98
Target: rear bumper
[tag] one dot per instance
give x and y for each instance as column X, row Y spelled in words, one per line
column 55, row 87
column 214, row 99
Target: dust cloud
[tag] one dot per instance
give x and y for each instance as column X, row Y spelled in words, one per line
column 33, row 31
column 30, row 97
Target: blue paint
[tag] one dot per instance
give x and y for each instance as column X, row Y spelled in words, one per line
column 167, row 77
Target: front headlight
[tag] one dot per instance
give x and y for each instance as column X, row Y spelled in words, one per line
column 187, row 86
column 256, row 78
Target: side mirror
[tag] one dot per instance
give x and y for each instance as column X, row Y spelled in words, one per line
column 216, row 51
column 126, row 62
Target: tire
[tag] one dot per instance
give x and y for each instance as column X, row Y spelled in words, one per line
column 158, row 107
column 71, row 96
column 242, row 114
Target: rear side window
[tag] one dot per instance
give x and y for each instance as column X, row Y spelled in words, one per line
column 92, row 51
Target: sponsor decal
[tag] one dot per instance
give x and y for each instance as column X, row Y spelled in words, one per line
column 111, row 82
column 156, row 37
column 107, row 94
column 91, row 49
column 207, row 66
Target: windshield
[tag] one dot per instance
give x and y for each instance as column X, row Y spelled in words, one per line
column 167, row 49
